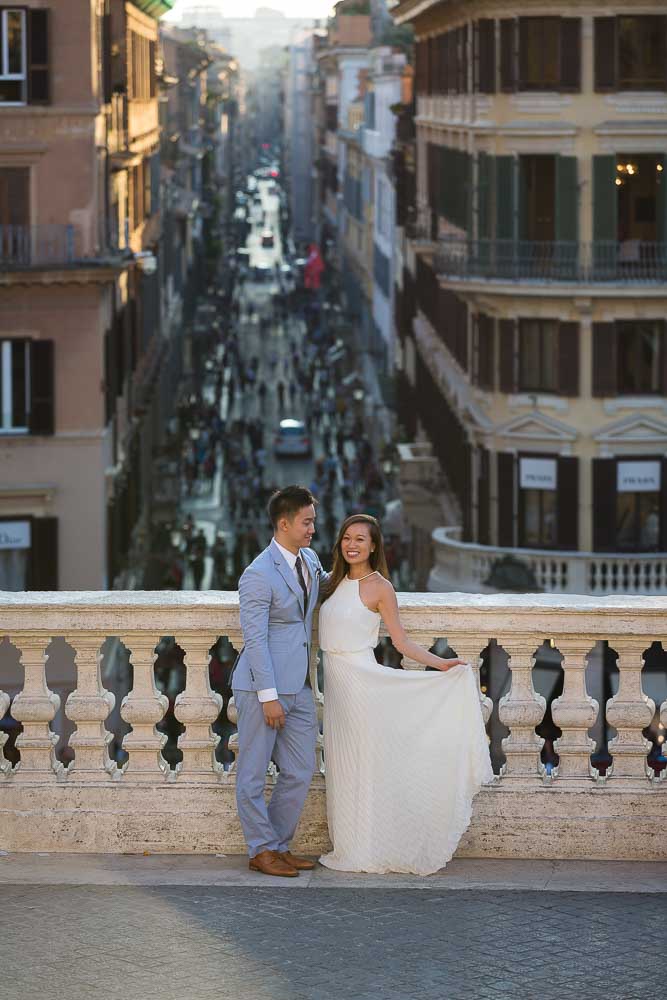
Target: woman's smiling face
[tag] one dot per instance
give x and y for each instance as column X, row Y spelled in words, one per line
column 356, row 544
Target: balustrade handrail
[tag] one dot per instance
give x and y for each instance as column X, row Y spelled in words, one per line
column 45, row 245
column 151, row 804
column 446, row 536
column 595, row 262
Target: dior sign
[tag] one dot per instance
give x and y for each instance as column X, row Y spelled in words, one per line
column 538, row 474
column 638, row 477
column 14, row 535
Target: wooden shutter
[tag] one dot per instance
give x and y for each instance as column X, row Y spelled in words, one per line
column 663, row 504
column 42, row 378
column 486, row 55
column 43, row 565
column 567, row 199
column 39, row 82
column 605, row 199
column 605, row 54
column 568, row 359
column 483, row 499
column 486, row 351
column 604, row 359
column 484, row 195
column 106, row 58
column 508, row 39
column 506, row 464
column 15, row 196
column 507, row 351
column 604, row 504
column 505, row 197
column 568, row 503
column 570, row 54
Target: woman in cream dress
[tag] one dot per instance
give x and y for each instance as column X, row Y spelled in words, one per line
column 405, row 751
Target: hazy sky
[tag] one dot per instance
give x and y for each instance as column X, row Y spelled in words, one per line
column 245, row 8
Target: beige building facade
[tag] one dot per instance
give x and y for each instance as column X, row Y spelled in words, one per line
column 79, row 313
column 537, row 351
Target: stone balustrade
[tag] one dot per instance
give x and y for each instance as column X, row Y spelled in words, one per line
column 146, row 804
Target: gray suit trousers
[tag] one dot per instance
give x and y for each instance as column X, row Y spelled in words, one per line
column 272, row 826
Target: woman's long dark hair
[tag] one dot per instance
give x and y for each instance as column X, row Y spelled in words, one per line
column 377, row 559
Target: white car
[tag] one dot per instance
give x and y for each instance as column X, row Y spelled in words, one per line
column 292, row 438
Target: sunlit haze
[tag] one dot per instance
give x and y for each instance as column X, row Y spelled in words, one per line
column 241, row 8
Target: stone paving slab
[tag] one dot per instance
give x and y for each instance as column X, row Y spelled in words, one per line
column 232, row 870
column 227, row 942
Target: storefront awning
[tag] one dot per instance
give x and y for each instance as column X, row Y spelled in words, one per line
column 154, row 8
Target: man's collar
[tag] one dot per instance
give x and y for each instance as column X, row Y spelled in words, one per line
column 290, row 557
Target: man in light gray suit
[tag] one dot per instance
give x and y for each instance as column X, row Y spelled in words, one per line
column 276, row 712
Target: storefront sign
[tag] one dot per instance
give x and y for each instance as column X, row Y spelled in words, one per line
column 538, row 474
column 14, row 535
column 638, row 477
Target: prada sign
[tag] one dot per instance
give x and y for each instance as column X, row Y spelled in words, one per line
column 538, row 474
column 638, row 477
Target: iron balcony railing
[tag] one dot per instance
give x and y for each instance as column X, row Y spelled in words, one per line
column 630, row 261
column 45, row 246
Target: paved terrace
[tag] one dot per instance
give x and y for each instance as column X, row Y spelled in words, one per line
column 204, row 927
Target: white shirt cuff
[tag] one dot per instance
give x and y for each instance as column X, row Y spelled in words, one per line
column 267, row 694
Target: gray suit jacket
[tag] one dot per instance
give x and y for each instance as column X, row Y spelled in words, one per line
column 276, row 632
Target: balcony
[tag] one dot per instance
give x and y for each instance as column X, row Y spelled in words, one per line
column 467, row 567
column 600, row 263
column 46, row 247
column 151, row 803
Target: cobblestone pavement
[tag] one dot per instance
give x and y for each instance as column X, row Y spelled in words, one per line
column 271, row 943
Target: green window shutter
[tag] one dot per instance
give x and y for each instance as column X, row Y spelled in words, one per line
column 568, row 359
column 568, row 503
column 505, row 208
column 605, row 41
column 605, row 199
column 604, row 504
column 567, row 199
column 484, row 195
column 506, row 468
column 570, row 54
column 604, row 360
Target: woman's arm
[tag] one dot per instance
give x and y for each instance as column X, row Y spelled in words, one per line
column 387, row 605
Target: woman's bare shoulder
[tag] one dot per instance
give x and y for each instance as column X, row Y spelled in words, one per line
column 380, row 585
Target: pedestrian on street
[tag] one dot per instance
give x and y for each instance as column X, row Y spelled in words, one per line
column 280, row 389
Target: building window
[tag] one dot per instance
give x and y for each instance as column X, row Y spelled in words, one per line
column 540, row 53
column 14, row 386
column 538, row 355
column 638, row 357
column 638, row 506
column 13, row 58
column 641, row 53
column 538, row 503
column 141, row 67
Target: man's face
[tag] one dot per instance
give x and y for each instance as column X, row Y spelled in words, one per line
column 300, row 530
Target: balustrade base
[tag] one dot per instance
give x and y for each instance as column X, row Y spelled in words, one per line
column 528, row 821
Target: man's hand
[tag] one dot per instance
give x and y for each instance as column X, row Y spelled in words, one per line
column 274, row 714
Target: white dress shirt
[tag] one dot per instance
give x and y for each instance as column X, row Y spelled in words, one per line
column 271, row 694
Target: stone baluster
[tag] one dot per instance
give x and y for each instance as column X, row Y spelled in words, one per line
column 198, row 707
column 663, row 722
column 36, row 706
column 521, row 709
column 467, row 648
column 236, row 639
column 143, row 707
column 5, row 765
column 88, row 706
column 630, row 711
column 574, row 711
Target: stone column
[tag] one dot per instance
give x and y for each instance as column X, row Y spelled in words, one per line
column 521, row 709
column 35, row 706
column 468, row 649
column 574, row 711
column 198, row 707
column 236, row 639
column 5, row 766
column 630, row 711
column 88, row 706
column 143, row 707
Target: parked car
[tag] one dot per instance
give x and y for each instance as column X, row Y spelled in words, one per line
column 267, row 238
column 292, row 439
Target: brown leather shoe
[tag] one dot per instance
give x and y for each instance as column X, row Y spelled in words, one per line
column 301, row 864
column 272, row 863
